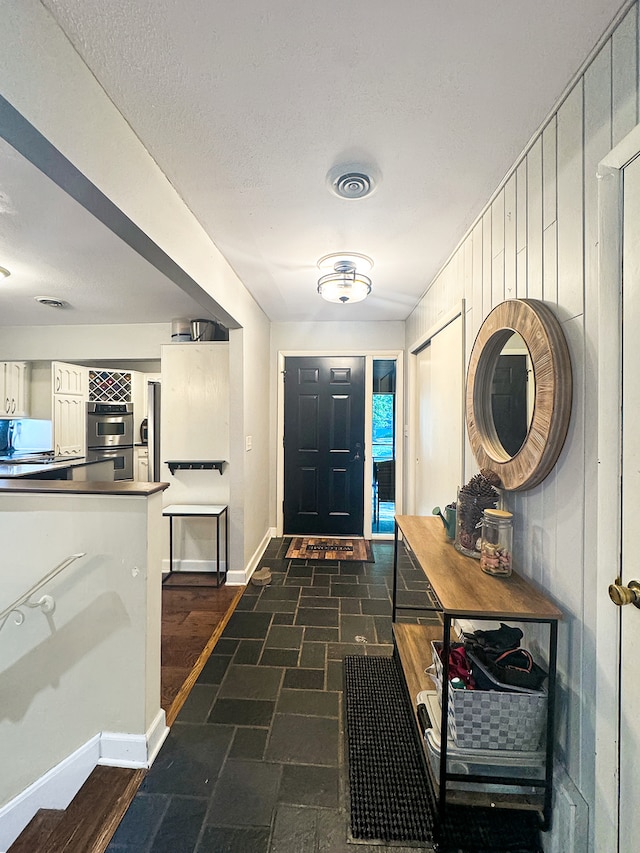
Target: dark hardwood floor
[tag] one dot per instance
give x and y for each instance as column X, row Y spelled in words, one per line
column 192, row 620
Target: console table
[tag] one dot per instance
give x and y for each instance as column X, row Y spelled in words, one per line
column 201, row 511
column 460, row 589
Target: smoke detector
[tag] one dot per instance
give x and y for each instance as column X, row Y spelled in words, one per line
column 350, row 183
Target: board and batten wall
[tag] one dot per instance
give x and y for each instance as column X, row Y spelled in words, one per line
column 537, row 238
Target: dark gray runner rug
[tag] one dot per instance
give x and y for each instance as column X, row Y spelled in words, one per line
column 391, row 798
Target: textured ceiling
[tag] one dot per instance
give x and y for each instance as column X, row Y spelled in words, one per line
column 246, row 106
column 54, row 247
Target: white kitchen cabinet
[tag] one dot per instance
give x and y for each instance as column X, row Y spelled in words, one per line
column 14, row 388
column 70, row 386
column 141, row 464
column 195, row 402
column 69, row 379
column 69, row 425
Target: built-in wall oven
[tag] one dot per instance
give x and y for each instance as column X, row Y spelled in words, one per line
column 110, row 436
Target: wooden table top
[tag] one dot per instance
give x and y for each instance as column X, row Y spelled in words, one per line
column 460, row 585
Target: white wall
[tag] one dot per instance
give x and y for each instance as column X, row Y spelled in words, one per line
column 537, row 238
column 350, row 337
column 90, row 666
column 83, row 343
column 46, row 81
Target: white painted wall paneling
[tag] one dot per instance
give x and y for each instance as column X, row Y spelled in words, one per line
column 497, row 250
column 624, row 50
column 521, row 230
column 570, row 205
column 510, row 238
column 534, row 221
column 553, row 193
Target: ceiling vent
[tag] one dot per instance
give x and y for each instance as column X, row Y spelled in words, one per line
column 350, row 183
column 50, row 301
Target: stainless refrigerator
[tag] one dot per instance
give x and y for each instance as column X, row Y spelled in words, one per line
column 153, row 431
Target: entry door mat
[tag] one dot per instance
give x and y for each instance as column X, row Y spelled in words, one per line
column 391, row 799
column 326, row 548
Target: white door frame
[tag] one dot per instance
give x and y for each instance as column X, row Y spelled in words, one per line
column 368, row 356
column 412, row 407
column 609, row 508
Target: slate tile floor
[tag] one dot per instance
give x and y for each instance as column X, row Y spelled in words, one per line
column 254, row 762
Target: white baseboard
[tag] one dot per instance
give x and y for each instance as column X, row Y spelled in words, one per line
column 570, row 822
column 58, row 787
column 135, row 751
column 235, row 577
column 156, row 736
column 54, row 790
column 242, row 577
column 193, row 566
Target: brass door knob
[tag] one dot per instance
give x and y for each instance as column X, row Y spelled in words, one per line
column 622, row 595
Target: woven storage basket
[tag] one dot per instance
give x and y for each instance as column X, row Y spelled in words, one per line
column 490, row 719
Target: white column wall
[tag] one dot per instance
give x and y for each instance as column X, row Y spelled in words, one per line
column 537, row 238
column 92, row 664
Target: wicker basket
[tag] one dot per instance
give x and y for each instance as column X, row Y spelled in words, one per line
column 491, row 719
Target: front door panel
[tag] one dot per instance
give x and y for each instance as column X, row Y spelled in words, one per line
column 324, row 445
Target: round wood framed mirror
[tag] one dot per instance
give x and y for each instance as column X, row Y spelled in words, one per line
column 524, row 452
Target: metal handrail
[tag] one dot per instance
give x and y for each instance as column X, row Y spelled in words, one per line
column 46, row 603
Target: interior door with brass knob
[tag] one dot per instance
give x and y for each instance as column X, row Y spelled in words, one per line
column 625, row 590
column 621, row 594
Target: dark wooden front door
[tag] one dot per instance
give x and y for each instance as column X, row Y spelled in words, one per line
column 324, row 445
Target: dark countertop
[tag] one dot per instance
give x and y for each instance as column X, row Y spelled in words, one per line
column 80, row 487
column 28, row 470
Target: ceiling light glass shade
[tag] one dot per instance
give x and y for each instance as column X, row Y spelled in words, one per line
column 345, row 284
column 4, row 273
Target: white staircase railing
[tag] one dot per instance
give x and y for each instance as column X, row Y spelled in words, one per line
column 46, row 603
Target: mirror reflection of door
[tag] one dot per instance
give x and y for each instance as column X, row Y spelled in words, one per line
column 509, row 395
column 324, row 414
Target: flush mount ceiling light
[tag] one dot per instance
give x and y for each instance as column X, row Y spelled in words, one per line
column 4, row 273
column 50, row 301
column 347, row 282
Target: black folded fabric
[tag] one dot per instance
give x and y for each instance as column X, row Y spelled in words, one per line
column 499, row 650
column 509, row 669
column 532, row 679
column 499, row 640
